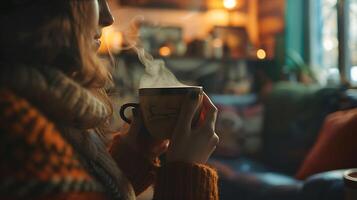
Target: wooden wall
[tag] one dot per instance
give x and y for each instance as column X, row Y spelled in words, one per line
column 180, row 4
column 263, row 19
column 271, row 18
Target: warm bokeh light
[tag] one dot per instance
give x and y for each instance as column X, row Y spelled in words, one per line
column 229, row 4
column 165, row 51
column 111, row 41
column 261, row 54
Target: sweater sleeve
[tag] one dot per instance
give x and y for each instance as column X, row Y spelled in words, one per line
column 140, row 171
column 177, row 181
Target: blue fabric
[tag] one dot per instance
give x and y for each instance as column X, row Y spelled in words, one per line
column 274, row 186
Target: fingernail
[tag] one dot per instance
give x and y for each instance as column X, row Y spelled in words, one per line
column 135, row 112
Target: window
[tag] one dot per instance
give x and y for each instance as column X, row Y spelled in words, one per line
column 325, row 52
column 353, row 40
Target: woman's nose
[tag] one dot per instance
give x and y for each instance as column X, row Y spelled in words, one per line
column 105, row 16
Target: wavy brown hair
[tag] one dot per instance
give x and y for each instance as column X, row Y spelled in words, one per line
column 54, row 33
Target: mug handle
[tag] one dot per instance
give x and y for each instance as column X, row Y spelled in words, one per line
column 122, row 111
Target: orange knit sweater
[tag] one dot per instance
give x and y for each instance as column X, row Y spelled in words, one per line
column 37, row 163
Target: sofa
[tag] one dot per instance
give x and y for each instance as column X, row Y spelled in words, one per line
column 293, row 117
column 274, row 186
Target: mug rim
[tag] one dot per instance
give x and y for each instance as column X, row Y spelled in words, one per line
column 349, row 180
column 169, row 90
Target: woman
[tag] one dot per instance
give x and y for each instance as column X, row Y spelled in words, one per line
column 54, row 115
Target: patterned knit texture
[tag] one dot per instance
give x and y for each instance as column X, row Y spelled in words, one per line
column 57, row 95
column 185, row 181
column 35, row 161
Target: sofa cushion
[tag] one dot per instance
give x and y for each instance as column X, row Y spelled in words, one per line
column 293, row 117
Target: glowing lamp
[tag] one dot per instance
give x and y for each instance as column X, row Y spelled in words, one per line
column 229, row 4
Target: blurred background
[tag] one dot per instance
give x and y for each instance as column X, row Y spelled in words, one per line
column 274, row 68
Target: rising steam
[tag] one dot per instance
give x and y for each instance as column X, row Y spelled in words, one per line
column 156, row 73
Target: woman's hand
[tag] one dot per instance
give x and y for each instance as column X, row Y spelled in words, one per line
column 138, row 138
column 194, row 145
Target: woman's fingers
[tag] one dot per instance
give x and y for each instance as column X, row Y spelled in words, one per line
column 194, row 145
column 211, row 112
column 161, row 148
column 215, row 139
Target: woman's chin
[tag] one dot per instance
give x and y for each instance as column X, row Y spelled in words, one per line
column 96, row 44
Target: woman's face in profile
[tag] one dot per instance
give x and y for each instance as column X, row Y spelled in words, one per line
column 100, row 17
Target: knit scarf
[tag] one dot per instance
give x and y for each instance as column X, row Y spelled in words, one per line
column 76, row 113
